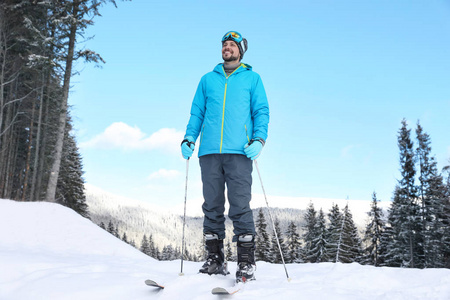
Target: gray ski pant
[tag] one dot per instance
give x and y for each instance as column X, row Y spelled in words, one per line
column 234, row 170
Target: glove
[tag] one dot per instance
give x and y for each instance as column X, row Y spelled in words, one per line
column 253, row 148
column 187, row 147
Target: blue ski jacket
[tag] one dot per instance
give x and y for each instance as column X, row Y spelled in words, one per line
column 228, row 111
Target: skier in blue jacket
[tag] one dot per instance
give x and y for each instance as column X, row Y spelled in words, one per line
column 230, row 116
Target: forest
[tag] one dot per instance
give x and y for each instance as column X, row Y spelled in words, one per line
column 39, row 43
column 413, row 233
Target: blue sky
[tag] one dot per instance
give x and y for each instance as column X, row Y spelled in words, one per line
column 339, row 75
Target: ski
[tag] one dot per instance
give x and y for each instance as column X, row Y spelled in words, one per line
column 225, row 291
column 153, row 283
column 238, row 286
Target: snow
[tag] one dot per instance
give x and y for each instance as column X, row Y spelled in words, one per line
column 49, row 252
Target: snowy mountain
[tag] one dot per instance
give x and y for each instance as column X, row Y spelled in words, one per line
column 137, row 218
column 47, row 251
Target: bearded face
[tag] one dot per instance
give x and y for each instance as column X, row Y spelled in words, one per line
column 230, row 51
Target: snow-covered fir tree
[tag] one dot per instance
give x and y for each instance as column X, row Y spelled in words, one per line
column 145, row 247
column 125, row 238
column 169, row 253
column 111, row 228
column 70, row 186
column 275, row 255
column 446, row 219
column 310, row 232
column 349, row 248
column 334, row 230
column 405, row 224
column 373, row 233
column 292, row 244
column 432, row 193
column 262, row 239
column 318, row 251
column 153, row 250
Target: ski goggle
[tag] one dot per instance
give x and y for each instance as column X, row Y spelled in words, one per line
column 232, row 35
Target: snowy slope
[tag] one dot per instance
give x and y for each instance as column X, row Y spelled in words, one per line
column 49, row 252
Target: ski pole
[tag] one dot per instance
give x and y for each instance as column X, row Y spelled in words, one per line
column 184, row 217
column 273, row 223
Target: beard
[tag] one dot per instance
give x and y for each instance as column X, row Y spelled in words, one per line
column 230, row 58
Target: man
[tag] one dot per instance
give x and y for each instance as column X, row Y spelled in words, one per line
column 230, row 114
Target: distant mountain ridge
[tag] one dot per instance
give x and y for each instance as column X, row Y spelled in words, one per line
column 137, row 218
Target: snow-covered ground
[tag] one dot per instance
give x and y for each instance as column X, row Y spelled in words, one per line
column 49, row 252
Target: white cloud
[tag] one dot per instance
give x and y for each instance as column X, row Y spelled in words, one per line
column 164, row 174
column 120, row 135
column 347, row 151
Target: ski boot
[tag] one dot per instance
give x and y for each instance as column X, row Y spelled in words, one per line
column 215, row 263
column 246, row 258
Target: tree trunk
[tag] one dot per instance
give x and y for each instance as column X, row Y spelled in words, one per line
column 54, row 171
column 38, row 145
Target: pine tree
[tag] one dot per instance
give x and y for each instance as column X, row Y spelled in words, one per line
column 111, row 229
column 373, row 233
column 168, row 253
column 310, row 232
column 262, row 241
column 102, row 225
column 77, row 17
column 334, row 231
column 433, row 196
column 404, row 213
column 446, row 220
column 125, row 237
column 145, row 248
column 70, row 188
column 292, row 243
column 152, row 251
column 275, row 255
column 318, row 251
column 350, row 248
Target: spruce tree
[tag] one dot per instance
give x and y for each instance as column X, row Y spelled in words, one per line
column 318, row 251
column 293, row 245
column 334, row 231
column 152, row 251
column 350, row 248
column 433, row 197
column 404, row 213
column 70, row 187
column 125, row 237
column 145, row 248
column 446, row 220
column 262, row 241
column 310, row 232
column 275, row 255
column 102, row 225
column 373, row 233
column 111, row 229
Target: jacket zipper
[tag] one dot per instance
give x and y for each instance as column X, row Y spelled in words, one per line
column 224, row 100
